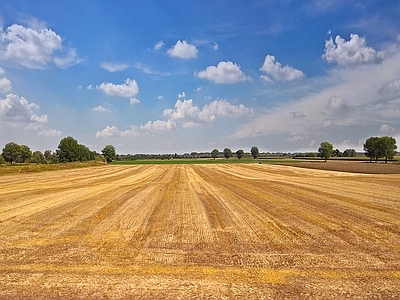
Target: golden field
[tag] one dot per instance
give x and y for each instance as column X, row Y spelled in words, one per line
column 221, row 231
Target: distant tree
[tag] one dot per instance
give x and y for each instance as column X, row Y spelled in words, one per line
column 227, row 153
column 109, row 153
column 11, row 152
column 371, row 148
column 25, row 153
column 240, row 154
column 68, row 150
column 38, row 157
column 2, row 161
column 325, row 150
column 349, row 153
column 47, row 155
column 254, row 152
column 387, row 147
column 337, row 153
column 215, row 153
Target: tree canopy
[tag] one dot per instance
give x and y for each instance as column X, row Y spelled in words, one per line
column 69, row 150
column 215, row 153
column 109, row 153
column 254, row 152
column 227, row 153
column 240, row 154
column 11, row 152
column 325, row 150
column 378, row 147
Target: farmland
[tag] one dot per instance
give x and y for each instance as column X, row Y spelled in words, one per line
column 179, row 231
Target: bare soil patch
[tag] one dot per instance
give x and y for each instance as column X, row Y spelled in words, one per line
column 245, row 231
column 350, row 166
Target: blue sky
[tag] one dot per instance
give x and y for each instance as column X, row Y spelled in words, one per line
column 183, row 76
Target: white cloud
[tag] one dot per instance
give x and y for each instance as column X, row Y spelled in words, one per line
column 182, row 95
column 67, row 60
column 215, row 47
column 159, row 125
column 113, row 131
column 16, row 110
column 128, row 90
column 183, row 50
column 352, row 52
column 160, row 97
column 114, row 67
column 158, row 45
column 274, row 68
column 5, row 85
column 89, row 87
column 101, row 109
column 385, row 128
column 2, row 71
column 191, row 115
column 225, row 72
column 336, row 103
column 295, row 138
column 50, row 132
column 390, row 88
column 133, row 101
column 34, row 49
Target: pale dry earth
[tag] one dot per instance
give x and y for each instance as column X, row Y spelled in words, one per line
column 248, row 231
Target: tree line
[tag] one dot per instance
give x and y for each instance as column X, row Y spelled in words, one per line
column 69, row 150
column 374, row 148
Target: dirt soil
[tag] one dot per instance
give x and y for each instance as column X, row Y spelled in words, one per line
column 248, row 231
column 350, row 166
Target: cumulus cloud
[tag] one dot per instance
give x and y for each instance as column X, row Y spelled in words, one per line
column 336, row 103
column 295, row 138
column 225, row 72
column 390, row 88
column 352, row 52
column 182, row 95
column 159, row 125
column 158, row 45
column 50, row 132
column 16, row 110
column 133, row 101
column 34, row 48
column 101, row 109
column 385, row 128
column 114, row 67
column 191, row 115
column 113, row 131
column 128, row 90
column 183, row 50
column 5, row 85
column 275, row 69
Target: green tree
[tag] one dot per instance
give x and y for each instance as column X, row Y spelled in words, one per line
column 11, row 152
column 25, row 153
column 349, row 153
column 387, row 147
column 69, row 150
column 325, row 150
column 38, row 157
column 337, row 153
column 371, row 148
column 227, row 153
column 215, row 153
column 254, row 152
column 109, row 153
column 240, row 154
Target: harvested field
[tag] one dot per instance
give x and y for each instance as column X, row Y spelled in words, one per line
column 199, row 231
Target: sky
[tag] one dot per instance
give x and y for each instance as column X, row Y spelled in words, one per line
column 191, row 76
